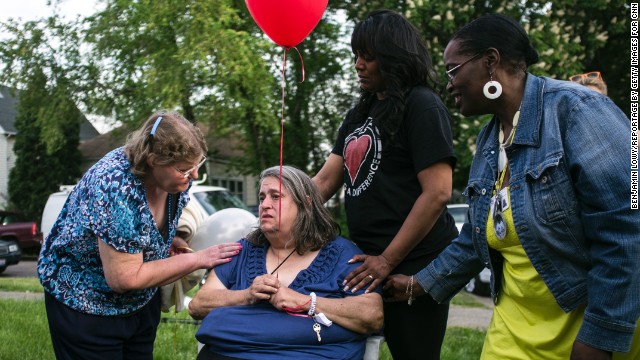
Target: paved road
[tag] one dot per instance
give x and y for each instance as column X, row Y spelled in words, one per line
column 460, row 316
column 25, row 268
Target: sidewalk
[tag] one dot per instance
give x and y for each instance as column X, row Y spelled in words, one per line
column 476, row 318
column 21, row 295
column 471, row 317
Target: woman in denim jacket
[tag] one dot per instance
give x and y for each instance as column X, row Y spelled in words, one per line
column 549, row 207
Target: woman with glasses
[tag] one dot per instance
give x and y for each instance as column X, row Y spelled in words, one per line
column 394, row 158
column 549, row 206
column 593, row 80
column 109, row 250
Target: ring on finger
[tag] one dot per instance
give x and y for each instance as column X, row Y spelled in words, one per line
column 371, row 277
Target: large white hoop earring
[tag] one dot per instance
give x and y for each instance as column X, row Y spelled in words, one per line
column 496, row 94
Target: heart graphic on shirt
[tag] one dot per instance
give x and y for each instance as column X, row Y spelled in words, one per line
column 356, row 152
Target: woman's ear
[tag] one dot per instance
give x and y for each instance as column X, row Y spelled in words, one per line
column 492, row 58
column 151, row 158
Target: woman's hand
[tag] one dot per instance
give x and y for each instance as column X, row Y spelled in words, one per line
column 291, row 300
column 581, row 351
column 395, row 288
column 179, row 246
column 217, row 254
column 371, row 273
column 263, row 288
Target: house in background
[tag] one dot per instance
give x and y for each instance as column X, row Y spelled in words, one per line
column 93, row 146
column 8, row 111
column 219, row 173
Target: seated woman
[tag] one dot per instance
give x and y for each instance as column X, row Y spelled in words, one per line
column 283, row 295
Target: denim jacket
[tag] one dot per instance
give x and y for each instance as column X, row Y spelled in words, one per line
column 570, row 193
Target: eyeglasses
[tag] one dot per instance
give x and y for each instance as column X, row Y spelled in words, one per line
column 593, row 74
column 451, row 72
column 185, row 174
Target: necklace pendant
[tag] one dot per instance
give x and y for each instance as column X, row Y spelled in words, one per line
column 499, row 225
column 499, row 222
column 502, row 159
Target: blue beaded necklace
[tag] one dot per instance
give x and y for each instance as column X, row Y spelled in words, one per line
column 169, row 203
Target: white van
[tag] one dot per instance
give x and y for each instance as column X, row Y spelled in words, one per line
column 52, row 208
column 207, row 199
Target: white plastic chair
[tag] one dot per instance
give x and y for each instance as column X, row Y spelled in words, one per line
column 371, row 352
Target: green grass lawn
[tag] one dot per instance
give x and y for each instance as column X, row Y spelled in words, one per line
column 25, row 332
column 21, row 284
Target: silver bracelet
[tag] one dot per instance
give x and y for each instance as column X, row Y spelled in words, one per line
column 410, row 291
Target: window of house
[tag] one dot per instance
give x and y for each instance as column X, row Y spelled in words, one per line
column 236, row 187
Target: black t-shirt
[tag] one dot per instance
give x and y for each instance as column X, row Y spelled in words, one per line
column 382, row 186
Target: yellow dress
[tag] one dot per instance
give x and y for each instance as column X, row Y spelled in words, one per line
column 527, row 321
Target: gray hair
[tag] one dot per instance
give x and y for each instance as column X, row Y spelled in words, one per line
column 314, row 226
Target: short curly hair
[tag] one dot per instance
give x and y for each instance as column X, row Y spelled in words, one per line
column 175, row 140
column 596, row 82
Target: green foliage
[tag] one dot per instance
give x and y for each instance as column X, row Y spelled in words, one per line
column 48, row 120
column 57, row 155
column 194, row 56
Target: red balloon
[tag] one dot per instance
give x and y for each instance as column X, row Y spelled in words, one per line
column 287, row 22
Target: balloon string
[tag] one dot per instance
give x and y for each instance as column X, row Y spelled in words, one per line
column 282, row 83
column 284, row 65
column 301, row 61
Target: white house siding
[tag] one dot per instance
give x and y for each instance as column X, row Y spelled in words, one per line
column 220, row 175
column 7, row 161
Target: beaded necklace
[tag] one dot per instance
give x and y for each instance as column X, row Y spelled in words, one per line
column 169, row 203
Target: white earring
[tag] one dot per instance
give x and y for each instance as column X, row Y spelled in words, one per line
column 492, row 84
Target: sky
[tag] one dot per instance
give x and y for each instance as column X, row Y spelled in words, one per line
column 35, row 9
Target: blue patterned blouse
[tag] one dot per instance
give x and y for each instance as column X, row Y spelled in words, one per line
column 108, row 203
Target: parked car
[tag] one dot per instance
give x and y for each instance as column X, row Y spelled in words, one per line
column 480, row 284
column 52, row 208
column 15, row 227
column 10, row 254
column 208, row 199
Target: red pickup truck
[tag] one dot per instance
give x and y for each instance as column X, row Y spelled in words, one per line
column 14, row 227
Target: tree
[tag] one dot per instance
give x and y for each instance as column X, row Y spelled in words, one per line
column 48, row 121
column 193, row 56
column 210, row 61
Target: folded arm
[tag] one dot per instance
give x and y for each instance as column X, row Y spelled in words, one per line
column 362, row 313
